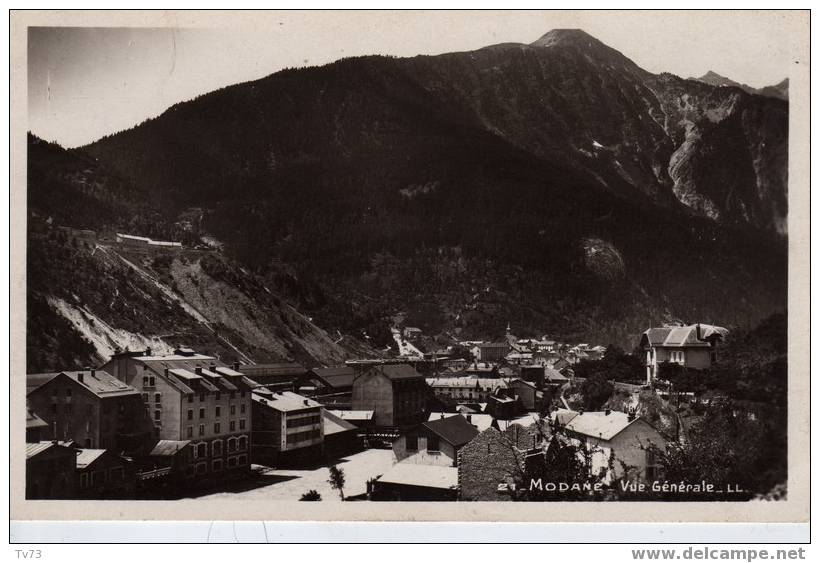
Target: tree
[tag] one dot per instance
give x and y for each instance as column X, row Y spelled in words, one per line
column 311, row 495
column 337, row 480
column 596, row 390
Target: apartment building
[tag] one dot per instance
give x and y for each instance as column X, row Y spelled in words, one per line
column 193, row 397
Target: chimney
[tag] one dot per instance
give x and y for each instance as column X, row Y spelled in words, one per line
column 148, row 351
column 607, row 412
column 166, row 371
column 198, row 370
column 470, row 418
column 80, row 377
column 630, row 416
column 94, row 373
column 236, row 366
column 306, row 402
column 442, row 416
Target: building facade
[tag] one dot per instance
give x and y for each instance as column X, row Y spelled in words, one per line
column 694, row 346
column 193, row 397
column 92, row 408
column 287, row 428
column 397, row 394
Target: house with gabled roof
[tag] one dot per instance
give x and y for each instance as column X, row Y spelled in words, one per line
column 692, row 346
column 396, row 392
column 621, row 444
column 436, row 442
column 50, row 470
column 92, row 408
column 104, row 474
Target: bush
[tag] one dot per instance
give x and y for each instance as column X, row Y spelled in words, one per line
column 311, row 495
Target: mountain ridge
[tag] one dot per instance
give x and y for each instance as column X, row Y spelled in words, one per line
column 479, row 188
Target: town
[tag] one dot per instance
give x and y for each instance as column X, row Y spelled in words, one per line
column 476, row 421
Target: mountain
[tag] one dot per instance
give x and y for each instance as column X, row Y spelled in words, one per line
column 86, row 300
column 779, row 90
column 556, row 186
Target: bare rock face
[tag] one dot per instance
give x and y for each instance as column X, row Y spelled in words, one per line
column 603, row 259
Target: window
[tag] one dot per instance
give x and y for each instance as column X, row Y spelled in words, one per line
column 216, row 465
column 233, row 410
column 218, row 412
column 242, row 408
column 190, row 414
column 216, row 428
column 232, row 425
column 243, row 442
column 432, row 444
column 231, row 462
column 144, row 398
column 88, row 443
column 151, row 382
column 201, row 468
column 189, row 432
column 412, row 442
column 216, row 447
column 157, row 398
column 190, row 398
column 145, row 381
column 201, row 413
column 201, row 429
column 157, row 415
column 241, row 423
column 202, row 450
column 231, row 445
column 243, row 460
column 218, row 395
column 202, row 397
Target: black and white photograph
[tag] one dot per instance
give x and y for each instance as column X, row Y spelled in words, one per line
column 377, row 257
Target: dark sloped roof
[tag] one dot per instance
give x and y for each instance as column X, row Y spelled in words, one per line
column 34, row 380
column 289, row 369
column 333, row 371
column 168, row 447
column 396, row 372
column 101, row 383
column 454, row 430
column 34, row 421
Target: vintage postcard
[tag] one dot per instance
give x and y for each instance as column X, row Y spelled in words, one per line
column 423, row 265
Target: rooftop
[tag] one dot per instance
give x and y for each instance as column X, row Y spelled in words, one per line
column 467, row 382
column 334, row 424
column 600, row 424
column 353, row 415
column 684, row 336
column 100, row 383
column 480, row 421
column 418, row 475
column 168, row 447
column 455, row 430
column 284, row 401
column 87, row 457
column 396, row 372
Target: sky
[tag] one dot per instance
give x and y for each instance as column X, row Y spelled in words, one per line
column 87, row 82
